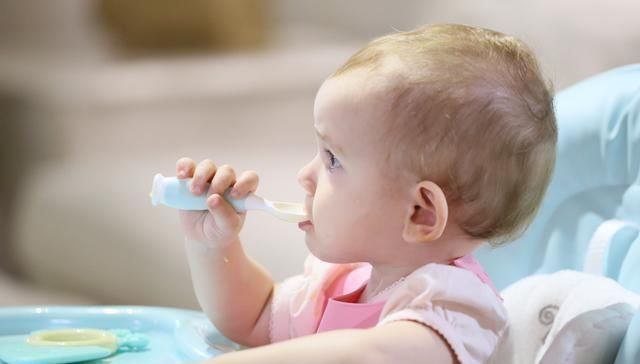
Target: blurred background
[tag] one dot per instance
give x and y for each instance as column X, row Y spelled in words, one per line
column 96, row 96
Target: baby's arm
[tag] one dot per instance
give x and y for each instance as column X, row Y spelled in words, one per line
column 394, row 342
column 232, row 289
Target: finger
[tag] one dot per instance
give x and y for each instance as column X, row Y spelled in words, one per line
column 202, row 176
column 185, row 167
column 247, row 183
column 224, row 214
column 225, row 176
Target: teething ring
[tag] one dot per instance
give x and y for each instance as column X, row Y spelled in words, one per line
column 74, row 337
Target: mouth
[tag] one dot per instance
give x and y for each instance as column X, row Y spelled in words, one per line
column 305, row 225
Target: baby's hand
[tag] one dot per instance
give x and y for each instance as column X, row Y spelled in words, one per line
column 221, row 224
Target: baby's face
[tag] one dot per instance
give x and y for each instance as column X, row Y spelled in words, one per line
column 356, row 207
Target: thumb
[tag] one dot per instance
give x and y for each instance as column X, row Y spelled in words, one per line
column 226, row 217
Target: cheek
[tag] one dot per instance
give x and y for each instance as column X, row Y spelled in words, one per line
column 339, row 212
column 333, row 206
column 378, row 212
column 353, row 210
column 326, row 202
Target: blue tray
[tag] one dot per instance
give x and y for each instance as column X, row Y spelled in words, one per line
column 175, row 335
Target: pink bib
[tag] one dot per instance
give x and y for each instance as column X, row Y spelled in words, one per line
column 342, row 310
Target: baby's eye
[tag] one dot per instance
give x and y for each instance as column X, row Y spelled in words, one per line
column 333, row 161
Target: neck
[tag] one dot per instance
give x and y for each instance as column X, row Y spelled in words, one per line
column 383, row 277
column 385, row 274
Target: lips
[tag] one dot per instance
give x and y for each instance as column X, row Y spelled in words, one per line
column 305, row 225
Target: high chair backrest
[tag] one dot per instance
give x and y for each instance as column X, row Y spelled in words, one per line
column 590, row 217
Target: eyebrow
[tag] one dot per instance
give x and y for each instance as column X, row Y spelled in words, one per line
column 328, row 141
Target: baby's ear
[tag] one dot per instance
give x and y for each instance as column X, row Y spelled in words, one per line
column 427, row 216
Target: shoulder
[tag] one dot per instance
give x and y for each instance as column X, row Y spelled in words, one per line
column 455, row 303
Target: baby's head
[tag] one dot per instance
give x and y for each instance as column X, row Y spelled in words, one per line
column 446, row 128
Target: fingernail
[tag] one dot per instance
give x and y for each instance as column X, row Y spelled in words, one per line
column 181, row 173
column 235, row 193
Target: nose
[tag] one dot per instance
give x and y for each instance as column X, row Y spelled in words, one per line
column 306, row 177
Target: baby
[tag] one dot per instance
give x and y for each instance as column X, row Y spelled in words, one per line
column 430, row 143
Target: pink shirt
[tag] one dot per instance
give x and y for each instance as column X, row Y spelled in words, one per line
column 458, row 301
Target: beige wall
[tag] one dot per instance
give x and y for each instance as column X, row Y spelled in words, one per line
column 84, row 127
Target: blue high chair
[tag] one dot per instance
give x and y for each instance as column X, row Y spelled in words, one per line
column 590, row 217
column 595, row 191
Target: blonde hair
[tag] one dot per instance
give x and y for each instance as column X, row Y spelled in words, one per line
column 470, row 111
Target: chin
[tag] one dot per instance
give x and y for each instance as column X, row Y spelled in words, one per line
column 328, row 253
column 316, row 249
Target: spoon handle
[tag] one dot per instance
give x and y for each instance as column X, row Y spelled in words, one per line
column 176, row 193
